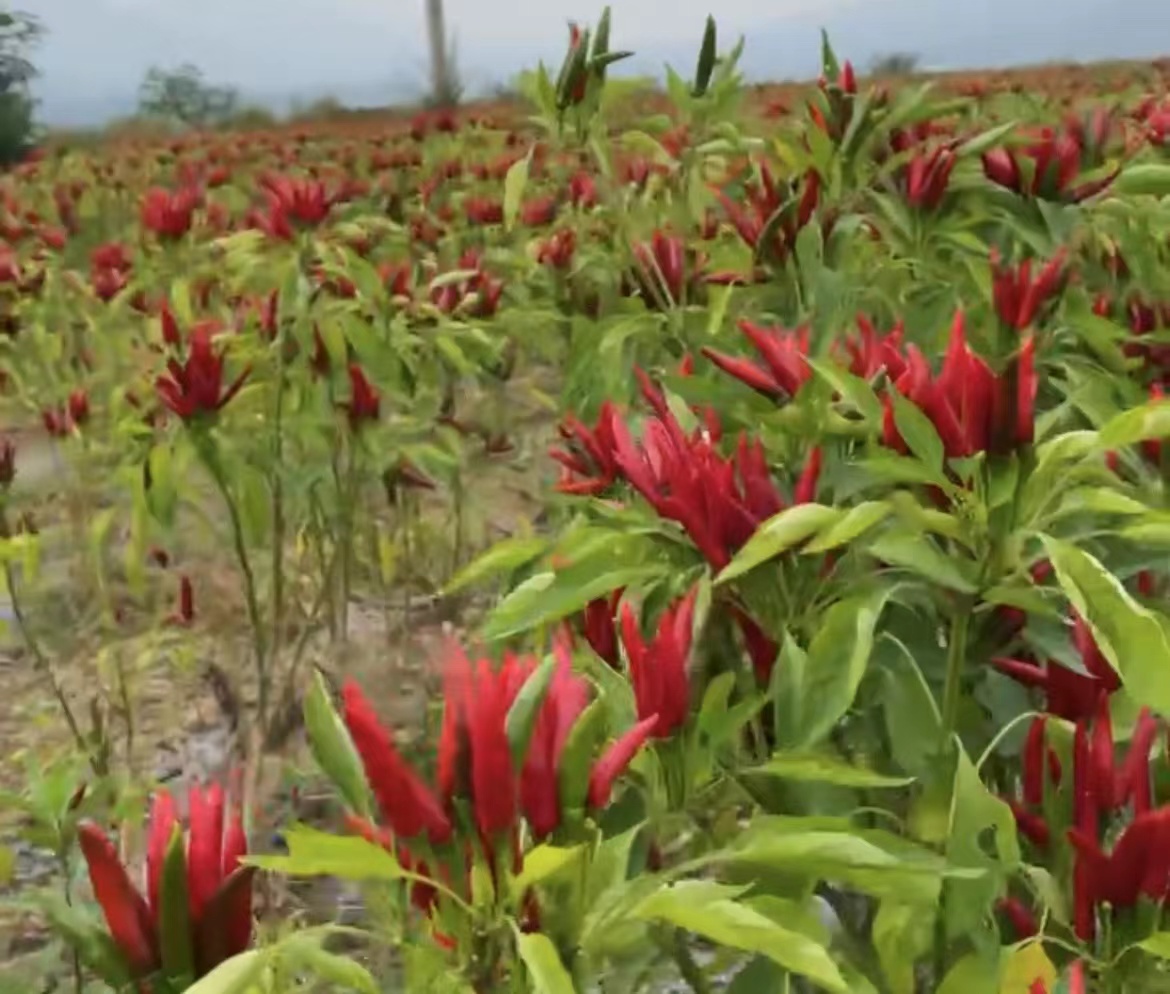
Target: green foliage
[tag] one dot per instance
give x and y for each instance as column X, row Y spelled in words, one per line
column 836, row 655
column 19, row 34
column 17, row 126
column 183, row 95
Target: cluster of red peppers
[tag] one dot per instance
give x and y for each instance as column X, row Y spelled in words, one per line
column 972, row 408
column 1053, row 165
column 196, row 908
column 769, row 214
column 489, row 785
column 1120, row 838
column 193, row 385
column 1118, row 835
column 718, row 500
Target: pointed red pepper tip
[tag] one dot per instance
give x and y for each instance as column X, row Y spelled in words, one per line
column 205, row 845
column 616, row 760
column 125, row 910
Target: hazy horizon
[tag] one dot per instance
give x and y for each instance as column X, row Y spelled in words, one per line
column 370, row 52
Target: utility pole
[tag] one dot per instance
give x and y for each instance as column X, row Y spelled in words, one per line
column 442, row 90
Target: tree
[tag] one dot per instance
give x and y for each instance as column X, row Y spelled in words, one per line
column 445, row 86
column 183, row 95
column 894, row 64
column 19, row 35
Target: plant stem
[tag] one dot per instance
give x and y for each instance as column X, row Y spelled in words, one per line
column 127, row 707
column 42, row 663
column 259, row 636
column 406, row 575
column 77, row 518
column 956, row 658
column 348, row 516
column 690, row 971
column 457, row 496
column 67, row 889
column 278, row 519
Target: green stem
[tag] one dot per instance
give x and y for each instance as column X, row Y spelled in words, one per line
column 42, row 663
column 278, row 517
column 75, row 958
column 1111, row 977
column 77, row 516
column 956, row 658
column 127, row 707
column 406, row 575
column 251, row 601
column 690, row 971
column 348, row 516
column 335, row 468
column 457, row 496
column 952, row 693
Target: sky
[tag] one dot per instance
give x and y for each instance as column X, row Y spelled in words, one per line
column 368, row 52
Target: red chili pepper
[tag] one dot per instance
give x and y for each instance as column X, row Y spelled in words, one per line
column 658, row 669
column 219, row 892
column 195, row 387
column 407, row 804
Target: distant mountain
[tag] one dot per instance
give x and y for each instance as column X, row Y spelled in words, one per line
column 280, row 51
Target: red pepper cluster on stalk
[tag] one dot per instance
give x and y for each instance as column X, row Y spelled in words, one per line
column 61, row 421
column 925, row 176
column 871, row 352
column 972, row 409
column 365, row 402
column 292, row 203
column 1144, row 319
column 1157, row 124
column 1137, row 862
column 168, row 214
column 597, row 625
column 839, row 95
column 785, row 355
column 1052, row 165
column 484, row 792
column 478, row 295
column 666, row 272
column 797, row 201
column 197, row 908
column 588, row 456
column 718, row 500
column 194, row 386
column 658, row 669
column 1068, row 693
column 110, row 269
column 557, row 250
column 1020, row 295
